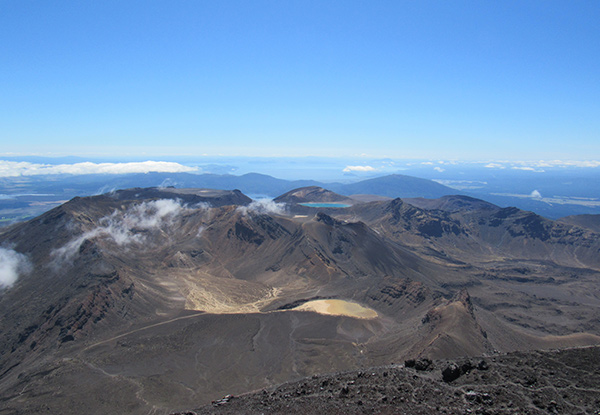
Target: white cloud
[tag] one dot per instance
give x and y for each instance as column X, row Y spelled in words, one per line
column 358, row 168
column 12, row 264
column 439, row 169
column 16, row 168
column 263, row 206
column 148, row 215
column 126, row 228
column 200, row 206
column 588, row 163
column 536, row 194
column 494, row 166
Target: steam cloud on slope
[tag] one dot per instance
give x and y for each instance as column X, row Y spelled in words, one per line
column 12, row 264
column 263, row 206
column 123, row 227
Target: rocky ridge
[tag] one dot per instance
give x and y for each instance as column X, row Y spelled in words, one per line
column 541, row 382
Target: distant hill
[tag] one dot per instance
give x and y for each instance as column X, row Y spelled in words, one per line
column 395, row 185
column 451, row 203
column 312, row 194
column 251, row 183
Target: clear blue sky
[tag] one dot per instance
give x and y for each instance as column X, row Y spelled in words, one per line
column 406, row 79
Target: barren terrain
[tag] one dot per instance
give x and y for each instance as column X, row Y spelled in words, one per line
column 148, row 300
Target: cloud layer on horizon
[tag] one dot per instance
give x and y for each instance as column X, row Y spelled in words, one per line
column 538, row 166
column 358, row 168
column 23, row 168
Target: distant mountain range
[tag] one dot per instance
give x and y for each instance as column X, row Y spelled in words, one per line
column 393, row 186
column 26, row 197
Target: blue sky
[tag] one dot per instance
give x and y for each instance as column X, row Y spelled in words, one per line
column 420, row 79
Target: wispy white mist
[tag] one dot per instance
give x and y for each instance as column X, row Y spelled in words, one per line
column 263, row 206
column 106, row 189
column 126, row 228
column 12, row 265
column 166, row 183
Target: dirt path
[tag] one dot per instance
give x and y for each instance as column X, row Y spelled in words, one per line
column 162, row 323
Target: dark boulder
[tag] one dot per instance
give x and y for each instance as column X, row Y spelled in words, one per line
column 419, row 364
column 451, row 372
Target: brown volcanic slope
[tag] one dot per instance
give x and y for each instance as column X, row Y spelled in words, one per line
column 453, row 203
column 149, row 299
column 479, row 232
column 591, row 222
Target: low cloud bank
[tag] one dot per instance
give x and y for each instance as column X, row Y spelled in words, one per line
column 16, row 168
column 528, row 169
column 128, row 227
column 12, row 265
column 358, row 168
column 539, row 165
column 495, row 166
column 263, row 206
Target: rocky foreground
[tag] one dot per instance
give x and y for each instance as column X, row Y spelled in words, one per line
column 540, row 382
